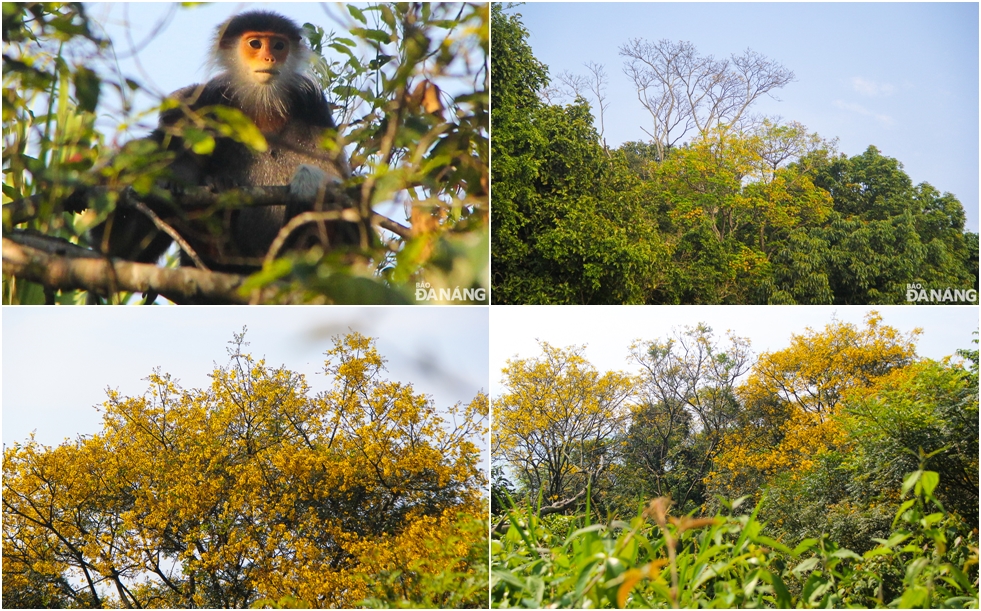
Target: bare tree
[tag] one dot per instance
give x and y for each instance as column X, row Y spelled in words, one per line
column 686, row 389
column 597, row 86
column 684, row 90
column 574, row 86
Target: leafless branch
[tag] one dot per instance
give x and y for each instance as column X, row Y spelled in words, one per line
column 164, row 227
column 597, row 85
column 683, row 90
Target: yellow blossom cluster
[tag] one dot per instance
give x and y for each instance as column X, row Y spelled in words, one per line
column 253, row 488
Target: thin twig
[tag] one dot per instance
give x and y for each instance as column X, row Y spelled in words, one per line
column 164, row 227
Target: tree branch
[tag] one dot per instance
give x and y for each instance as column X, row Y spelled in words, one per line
column 58, row 264
column 558, row 506
column 201, row 198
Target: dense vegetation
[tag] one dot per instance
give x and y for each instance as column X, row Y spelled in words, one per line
column 839, row 471
column 744, row 211
column 255, row 491
column 409, row 83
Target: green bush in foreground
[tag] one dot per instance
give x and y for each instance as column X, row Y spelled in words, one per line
column 930, row 560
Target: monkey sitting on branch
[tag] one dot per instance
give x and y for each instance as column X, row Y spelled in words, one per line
column 263, row 60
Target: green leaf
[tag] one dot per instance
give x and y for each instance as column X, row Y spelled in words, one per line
column 356, row 13
column 910, row 481
column 87, row 86
column 387, row 16
column 507, row 577
column 201, row 142
column 806, row 565
column 845, row 553
column 914, row 597
column 372, row 34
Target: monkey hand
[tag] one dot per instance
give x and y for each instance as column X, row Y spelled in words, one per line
column 308, row 180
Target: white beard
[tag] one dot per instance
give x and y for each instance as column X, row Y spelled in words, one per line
column 270, row 98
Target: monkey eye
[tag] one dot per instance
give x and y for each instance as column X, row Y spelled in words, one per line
column 255, row 43
column 279, row 46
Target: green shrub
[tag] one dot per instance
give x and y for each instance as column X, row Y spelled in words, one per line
column 658, row 560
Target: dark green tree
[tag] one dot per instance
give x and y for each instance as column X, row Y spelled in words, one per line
column 886, row 233
column 569, row 221
column 766, row 214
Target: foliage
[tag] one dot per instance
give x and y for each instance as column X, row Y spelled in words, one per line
column 555, row 422
column 571, row 223
column 254, row 489
column 729, row 561
column 887, row 233
column 502, row 491
column 830, row 435
column 791, row 396
column 929, row 407
column 411, row 85
column 741, row 192
column 747, row 210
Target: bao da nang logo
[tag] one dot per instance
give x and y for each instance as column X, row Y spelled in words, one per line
column 916, row 293
column 425, row 292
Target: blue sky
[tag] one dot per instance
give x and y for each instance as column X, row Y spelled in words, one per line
column 58, row 362
column 900, row 76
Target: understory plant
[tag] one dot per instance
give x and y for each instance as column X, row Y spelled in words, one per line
column 657, row 560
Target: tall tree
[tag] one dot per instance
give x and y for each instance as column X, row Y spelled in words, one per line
column 556, row 420
column 734, row 199
column 572, row 224
column 251, row 489
column 686, row 405
column 683, row 90
column 792, row 396
column 886, row 233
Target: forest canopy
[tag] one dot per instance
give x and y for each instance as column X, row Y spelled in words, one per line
column 716, row 205
column 255, row 490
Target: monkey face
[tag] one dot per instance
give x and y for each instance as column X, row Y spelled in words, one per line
column 263, row 55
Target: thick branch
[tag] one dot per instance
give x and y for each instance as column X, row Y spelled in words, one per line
column 200, row 198
column 58, row 264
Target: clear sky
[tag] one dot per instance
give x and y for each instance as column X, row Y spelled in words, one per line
column 58, row 362
column 900, row 76
column 608, row 331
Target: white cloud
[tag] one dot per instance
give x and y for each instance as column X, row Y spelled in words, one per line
column 885, row 120
column 871, row 88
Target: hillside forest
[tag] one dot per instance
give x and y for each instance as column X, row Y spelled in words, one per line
column 838, row 471
column 714, row 205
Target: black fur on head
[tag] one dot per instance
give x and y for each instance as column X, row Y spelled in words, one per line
column 257, row 21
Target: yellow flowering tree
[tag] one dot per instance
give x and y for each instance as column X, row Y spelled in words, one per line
column 252, row 489
column 556, row 418
column 791, row 396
